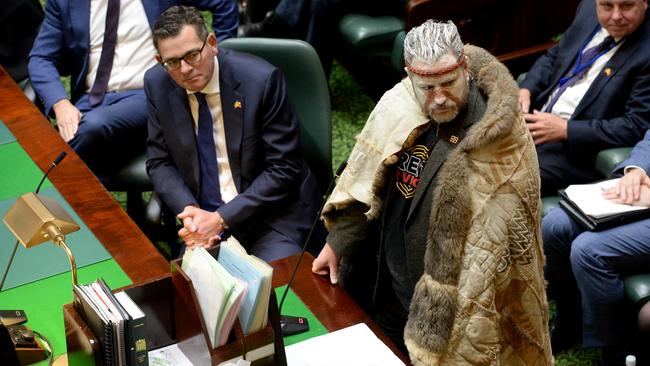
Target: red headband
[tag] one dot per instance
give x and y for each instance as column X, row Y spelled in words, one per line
column 448, row 69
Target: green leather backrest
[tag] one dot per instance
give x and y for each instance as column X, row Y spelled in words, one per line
column 308, row 91
column 365, row 30
column 607, row 159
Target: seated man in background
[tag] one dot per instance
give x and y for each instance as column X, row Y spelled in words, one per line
column 442, row 188
column 316, row 21
column 105, row 46
column 223, row 147
column 584, row 268
column 590, row 92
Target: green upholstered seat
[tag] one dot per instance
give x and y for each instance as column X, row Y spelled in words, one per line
column 549, row 203
column 607, row 159
column 364, row 30
column 637, row 288
column 132, row 177
column 308, row 91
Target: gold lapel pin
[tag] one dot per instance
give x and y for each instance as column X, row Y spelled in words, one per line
column 453, row 139
column 237, row 105
column 608, row 72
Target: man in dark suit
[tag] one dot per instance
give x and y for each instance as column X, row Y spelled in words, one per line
column 105, row 46
column 223, row 147
column 585, row 269
column 590, row 92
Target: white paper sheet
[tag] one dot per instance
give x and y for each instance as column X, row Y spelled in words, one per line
column 589, row 197
column 352, row 346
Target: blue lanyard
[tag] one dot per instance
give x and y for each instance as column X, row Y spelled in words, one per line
column 580, row 67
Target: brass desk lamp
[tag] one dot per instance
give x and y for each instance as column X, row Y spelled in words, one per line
column 35, row 219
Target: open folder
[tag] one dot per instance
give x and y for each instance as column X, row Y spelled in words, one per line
column 585, row 204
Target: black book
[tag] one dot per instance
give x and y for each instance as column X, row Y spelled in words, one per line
column 593, row 223
column 135, row 333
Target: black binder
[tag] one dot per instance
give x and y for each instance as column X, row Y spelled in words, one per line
column 599, row 223
column 102, row 330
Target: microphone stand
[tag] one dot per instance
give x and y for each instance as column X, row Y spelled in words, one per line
column 38, row 188
column 290, row 325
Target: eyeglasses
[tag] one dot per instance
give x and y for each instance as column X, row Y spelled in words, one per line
column 191, row 58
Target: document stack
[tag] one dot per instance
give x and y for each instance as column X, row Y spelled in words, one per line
column 219, row 294
column 254, row 312
column 117, row 322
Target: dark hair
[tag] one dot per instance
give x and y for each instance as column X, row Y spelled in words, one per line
column 171, row 22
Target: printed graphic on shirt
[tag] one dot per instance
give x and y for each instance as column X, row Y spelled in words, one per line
column 409, row 170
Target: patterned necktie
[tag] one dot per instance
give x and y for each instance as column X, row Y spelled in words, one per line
column 108, row 52
column 210, row 194
column 588, row 58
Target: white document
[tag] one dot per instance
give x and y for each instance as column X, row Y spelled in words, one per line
column 589, row 197
column 352, row 346
column 212, row 288
column 168, row 356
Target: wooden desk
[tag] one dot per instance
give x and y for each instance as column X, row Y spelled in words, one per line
column 123, row 239
column 130, row 248
column 329, row 303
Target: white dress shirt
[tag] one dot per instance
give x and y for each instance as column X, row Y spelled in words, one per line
column 569, row 100
column 134, row 52
column 213, row 97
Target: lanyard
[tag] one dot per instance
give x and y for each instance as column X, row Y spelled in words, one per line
column 579, row 66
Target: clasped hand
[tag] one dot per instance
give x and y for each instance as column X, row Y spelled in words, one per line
column 632, row 189
column 200, row 227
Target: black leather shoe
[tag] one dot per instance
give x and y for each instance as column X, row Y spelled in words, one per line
column 271, row 26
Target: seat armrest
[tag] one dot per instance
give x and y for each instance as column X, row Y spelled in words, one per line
column 637, row 288
column 607, row 159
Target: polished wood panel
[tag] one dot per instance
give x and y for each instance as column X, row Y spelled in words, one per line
column 329, row 303
column 139, row 259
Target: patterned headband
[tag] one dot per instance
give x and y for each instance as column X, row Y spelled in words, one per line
column 448, row 69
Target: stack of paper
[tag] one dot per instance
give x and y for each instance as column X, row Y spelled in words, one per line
column 219, row 293
column 253, row 314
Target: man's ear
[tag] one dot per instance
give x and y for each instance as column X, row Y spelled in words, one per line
column 213, row 43
column 158, row 58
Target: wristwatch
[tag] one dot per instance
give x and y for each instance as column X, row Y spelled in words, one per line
column 224, row 226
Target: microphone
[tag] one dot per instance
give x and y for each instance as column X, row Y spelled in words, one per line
column 290, row 325
column 56, row 162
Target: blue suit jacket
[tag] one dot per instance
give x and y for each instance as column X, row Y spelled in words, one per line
column 615, row 111
column 61, row 47
column 262, row 136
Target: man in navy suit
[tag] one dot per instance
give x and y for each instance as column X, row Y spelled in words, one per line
column 584, row 269
column 105, row 46
column 577, row 105
column 223, row 147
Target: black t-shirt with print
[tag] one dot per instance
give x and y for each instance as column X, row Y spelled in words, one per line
column 403, row 184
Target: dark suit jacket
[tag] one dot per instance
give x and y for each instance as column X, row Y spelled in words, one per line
column 275, row 185
column 615, row 111
column 61, row 47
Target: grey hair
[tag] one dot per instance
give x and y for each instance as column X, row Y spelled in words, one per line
column 432, row 40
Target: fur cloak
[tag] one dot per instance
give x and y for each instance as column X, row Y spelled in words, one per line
column 481, row 299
